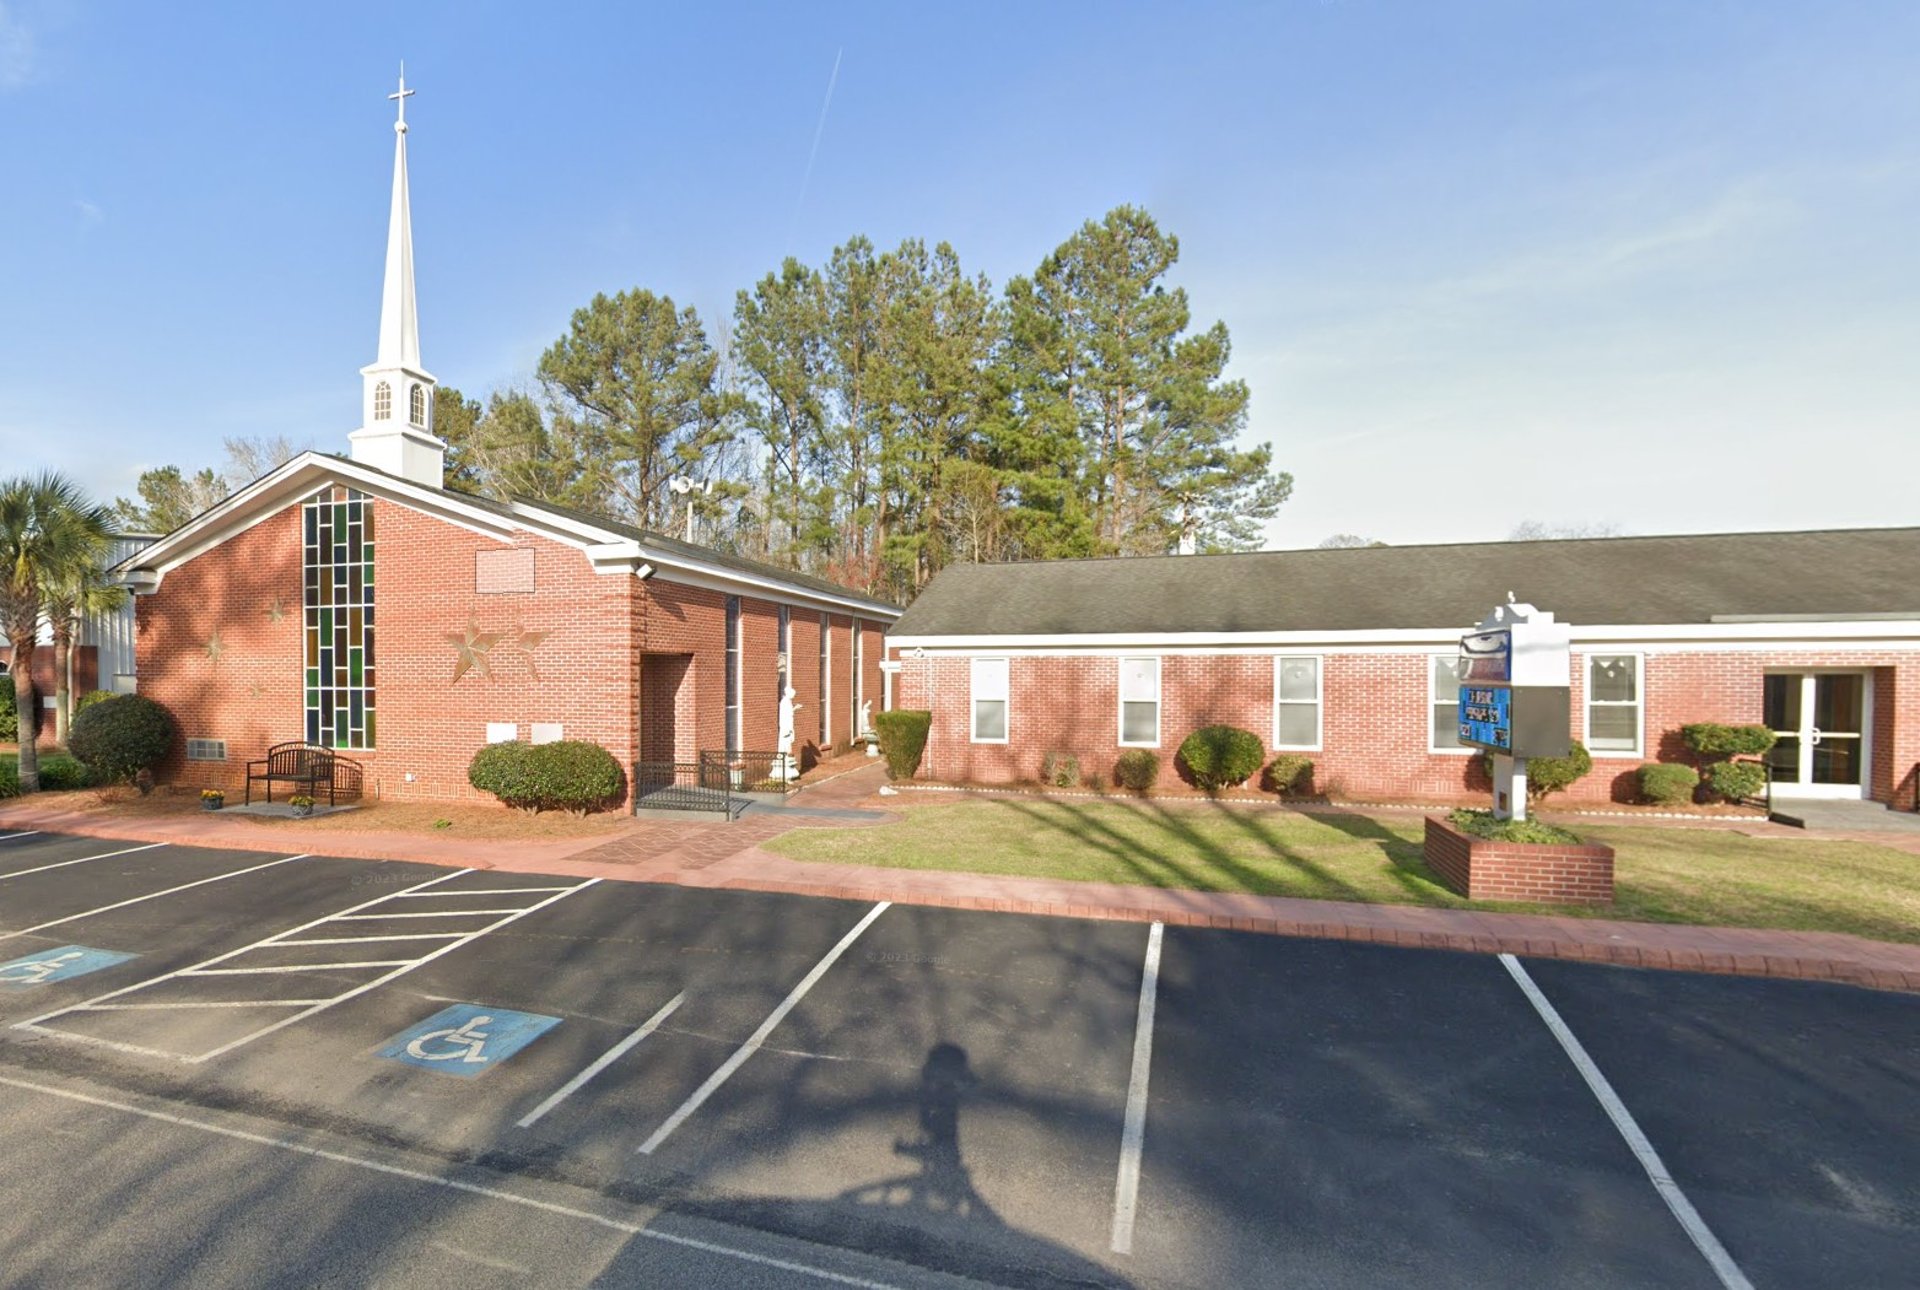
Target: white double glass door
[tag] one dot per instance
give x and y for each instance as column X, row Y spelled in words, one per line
column 1820, row 719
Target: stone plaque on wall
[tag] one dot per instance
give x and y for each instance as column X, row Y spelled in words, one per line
column 503, row 572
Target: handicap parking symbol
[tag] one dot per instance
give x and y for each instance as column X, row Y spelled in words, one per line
column 57, row 965
column 467, row 1038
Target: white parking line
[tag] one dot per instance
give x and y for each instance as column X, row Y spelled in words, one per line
column 104, row 855
column 454, row 1184
column 607, row 1059
column 296, row 967
column 369, row 940
column 759, row 1037
column 1126, row 1187
column 438, row 913
column 187, row 886
column 30, row 833
column 308, row 1007
column 485, row 891
column 1696, row 1227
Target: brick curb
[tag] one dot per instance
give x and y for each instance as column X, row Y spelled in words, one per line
column 1144, row 906
column 1766, row 965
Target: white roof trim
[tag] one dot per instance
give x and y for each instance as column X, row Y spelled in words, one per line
column 1853, row 632
column 608, row 551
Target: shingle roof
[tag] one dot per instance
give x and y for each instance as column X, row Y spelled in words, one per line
column 1622, row 581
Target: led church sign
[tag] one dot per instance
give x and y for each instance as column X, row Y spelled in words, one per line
column 1515, row 696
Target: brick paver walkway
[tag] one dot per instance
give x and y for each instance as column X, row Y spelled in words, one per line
column 716, row 854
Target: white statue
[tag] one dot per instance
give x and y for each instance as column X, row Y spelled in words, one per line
column 868, row 735
column 788, row 707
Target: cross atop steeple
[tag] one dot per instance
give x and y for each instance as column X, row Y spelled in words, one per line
column 401, row 96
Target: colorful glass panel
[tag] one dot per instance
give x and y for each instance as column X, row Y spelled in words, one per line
column 337, row 525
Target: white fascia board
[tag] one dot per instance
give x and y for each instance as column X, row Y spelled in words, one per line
column 274, row 492
column 1845, row 634
column 675, row 567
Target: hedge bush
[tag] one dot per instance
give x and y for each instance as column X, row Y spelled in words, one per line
column 9, row 777
column 118, row 740
column 58, row 773
column 1548, row 775
column 1137, row 769
column 90, row 698
column 1061, row 770
column 1290, row 773
column 1482, row 824
column 1711, row 739
column 903, row 738
column 1668, row 783
column 1736, row 780
column 9, row 712
column 1221, row 756
column 567, row 775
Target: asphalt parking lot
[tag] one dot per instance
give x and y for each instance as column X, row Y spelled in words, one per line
column 233, row 1068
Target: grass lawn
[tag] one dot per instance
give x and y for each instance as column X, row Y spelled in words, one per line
column 1667, row 875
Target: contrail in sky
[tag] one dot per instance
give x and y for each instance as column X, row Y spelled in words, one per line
column 818, row 130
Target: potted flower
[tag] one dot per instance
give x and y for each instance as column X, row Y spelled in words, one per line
column 302, row 805
column 212, row 799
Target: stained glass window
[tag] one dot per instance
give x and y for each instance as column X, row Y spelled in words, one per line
column 337, row 527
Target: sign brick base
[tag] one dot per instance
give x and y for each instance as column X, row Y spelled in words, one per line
column 1544, row 873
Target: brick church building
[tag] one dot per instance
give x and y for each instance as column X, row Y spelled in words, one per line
column 1350, row 657
column 358, row 603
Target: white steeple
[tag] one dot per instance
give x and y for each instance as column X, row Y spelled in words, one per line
column 396, row 411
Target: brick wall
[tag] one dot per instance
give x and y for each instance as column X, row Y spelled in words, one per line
column 1376, row 716
column 1483, row 870
column 580, row 674
column 86, row 677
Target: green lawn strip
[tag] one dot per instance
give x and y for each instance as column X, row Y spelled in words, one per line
column 1702, row 876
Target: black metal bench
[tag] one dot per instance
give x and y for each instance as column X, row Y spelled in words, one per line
column 308, row 766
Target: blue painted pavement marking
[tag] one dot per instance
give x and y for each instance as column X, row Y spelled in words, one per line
column 58, row 965
column 467, row 1038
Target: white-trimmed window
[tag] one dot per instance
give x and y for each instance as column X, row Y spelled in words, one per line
column 991, row 691
column 1613, row 705
column 382, row 401
column 1443, row 705
column 1139, row 703
column 417, row 405
column 1296, row 701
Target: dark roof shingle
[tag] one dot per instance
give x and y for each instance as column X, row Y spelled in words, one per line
column 1620, row 581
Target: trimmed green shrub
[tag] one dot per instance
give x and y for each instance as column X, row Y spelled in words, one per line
column 1547, row 775
column 9, row 711
column 1668, row 783
column 1736, row 780
column 1711, row 739
column 903, row 738
column 118, row 740
column 90, row 698
column 1482, row 824
column 59, row 773
column 1138, row 769
column 1221, row 756
column 1061, row 770
column 9, row 777
column 568, row 775
column 1290, row 773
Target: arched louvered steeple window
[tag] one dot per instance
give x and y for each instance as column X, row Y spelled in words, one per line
column 382, row 401
column 417, row 405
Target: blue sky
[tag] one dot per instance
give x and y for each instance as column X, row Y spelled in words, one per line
column 1644, row 264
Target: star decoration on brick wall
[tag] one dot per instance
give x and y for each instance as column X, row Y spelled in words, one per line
column 472, row 648
column 277, row 610
column 524, row 643
column 215, row 647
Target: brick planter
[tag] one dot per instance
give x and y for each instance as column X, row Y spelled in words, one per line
column 1548, row 873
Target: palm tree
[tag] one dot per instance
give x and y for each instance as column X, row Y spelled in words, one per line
column 47, row 529
column 77, row 594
